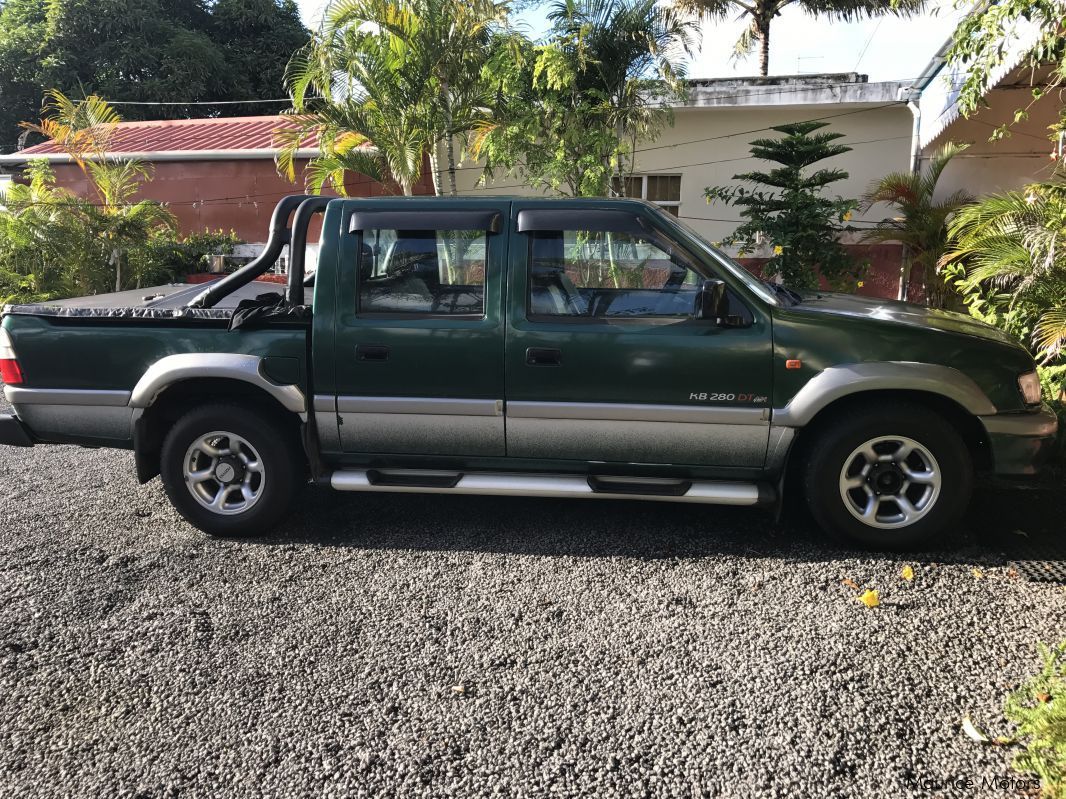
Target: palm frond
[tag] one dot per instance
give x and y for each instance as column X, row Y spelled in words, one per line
column 1015, row 243
column 746, row 42
column 1049, row 335
column 938, row 163
column 854, row 10
column 80, row 128
column 895, row 188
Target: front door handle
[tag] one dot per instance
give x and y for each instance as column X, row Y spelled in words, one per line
column 537, row 356
column 372, row 352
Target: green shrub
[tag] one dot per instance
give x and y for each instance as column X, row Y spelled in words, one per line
column 1038, row 708
column 1006, row 256
column 1053, row 381
column 167, row 257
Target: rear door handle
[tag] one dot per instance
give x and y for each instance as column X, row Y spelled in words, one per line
column 537, row 356
column 372, row 352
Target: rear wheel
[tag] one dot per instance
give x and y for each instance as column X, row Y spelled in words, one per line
column 888, row 476
column 230, row 470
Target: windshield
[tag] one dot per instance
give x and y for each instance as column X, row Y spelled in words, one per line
column 764, row 291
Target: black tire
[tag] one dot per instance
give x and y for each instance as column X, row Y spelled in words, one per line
column 831, row 450
column 272, row 483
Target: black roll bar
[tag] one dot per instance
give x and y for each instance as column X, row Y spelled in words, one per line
column 280, row 235
column 298, row 245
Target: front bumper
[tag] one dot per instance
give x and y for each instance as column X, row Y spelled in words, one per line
column 13, row 433
column 1021, row 442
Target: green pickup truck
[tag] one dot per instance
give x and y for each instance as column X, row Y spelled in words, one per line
column 528, row 347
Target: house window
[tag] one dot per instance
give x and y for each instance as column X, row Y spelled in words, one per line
column 663, row 190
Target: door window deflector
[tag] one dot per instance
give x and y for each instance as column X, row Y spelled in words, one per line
column 595, row 220
column 487, row 219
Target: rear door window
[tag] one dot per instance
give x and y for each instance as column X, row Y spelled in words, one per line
column 422, row 272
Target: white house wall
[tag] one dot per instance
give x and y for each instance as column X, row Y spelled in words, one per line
column 707, row 146
column 1005, row 164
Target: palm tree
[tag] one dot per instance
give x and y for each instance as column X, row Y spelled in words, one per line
column 387, row 82
column 83, row 129
column 628, row 56
column 375, row 128
column 125, row 224
column 1015, row 244
column 451, row 39
column 921, row 221
column 41, row 228
column 761, row 13
column 567, row 112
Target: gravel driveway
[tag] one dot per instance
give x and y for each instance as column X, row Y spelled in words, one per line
column 460, row 646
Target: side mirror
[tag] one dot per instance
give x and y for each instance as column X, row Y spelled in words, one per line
column 712, row 301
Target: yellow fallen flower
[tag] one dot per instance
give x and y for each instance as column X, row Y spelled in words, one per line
column 907, row 573
column 870, row 598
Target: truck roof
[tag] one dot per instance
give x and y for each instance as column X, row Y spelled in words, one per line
column 473, row 199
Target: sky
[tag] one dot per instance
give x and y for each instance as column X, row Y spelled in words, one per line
column 885, row 49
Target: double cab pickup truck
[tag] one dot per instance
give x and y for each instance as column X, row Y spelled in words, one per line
column 594, row 349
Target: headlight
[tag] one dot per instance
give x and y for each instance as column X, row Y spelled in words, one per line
column 1029, row 385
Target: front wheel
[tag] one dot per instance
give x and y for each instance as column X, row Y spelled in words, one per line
column 888, row 476
column 229, row 470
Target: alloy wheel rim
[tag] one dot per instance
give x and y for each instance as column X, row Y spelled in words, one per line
column 890, row 482
column 224, row 473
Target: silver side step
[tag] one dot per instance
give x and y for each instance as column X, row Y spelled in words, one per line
column 711, row 492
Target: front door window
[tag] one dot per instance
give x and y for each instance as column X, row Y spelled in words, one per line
column 602, row 275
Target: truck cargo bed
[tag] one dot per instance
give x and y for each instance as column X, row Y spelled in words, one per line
column 154, row 303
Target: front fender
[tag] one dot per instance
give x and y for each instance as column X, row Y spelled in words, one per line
column 838, row 382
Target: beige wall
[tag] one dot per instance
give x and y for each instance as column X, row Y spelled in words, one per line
column 707, row 146
column 1005, row 164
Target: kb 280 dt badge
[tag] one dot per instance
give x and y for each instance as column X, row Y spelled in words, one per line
column 710, row 396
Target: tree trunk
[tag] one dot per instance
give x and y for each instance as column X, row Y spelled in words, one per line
column 454, row 190
column 905, row 275
column 450, row 147
column 619, row 170
column 764, row 49
column 434, row 162
column 116, row 259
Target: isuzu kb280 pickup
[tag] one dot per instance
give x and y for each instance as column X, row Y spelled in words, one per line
column 557, row 348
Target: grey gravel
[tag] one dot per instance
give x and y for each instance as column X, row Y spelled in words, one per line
column 459, row 646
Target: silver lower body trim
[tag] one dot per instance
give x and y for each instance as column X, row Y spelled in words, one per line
column 637, row 441
column 422, row 434
column 17, row 395
column 421, row 425
column 551, row 485
column 102, row 423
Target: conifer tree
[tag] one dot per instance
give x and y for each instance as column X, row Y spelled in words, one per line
column 788, row 211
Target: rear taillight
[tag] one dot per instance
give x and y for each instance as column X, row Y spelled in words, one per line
column 10, row 373
column 9, row 365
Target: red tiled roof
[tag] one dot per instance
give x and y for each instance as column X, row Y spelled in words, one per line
column 191, row 135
